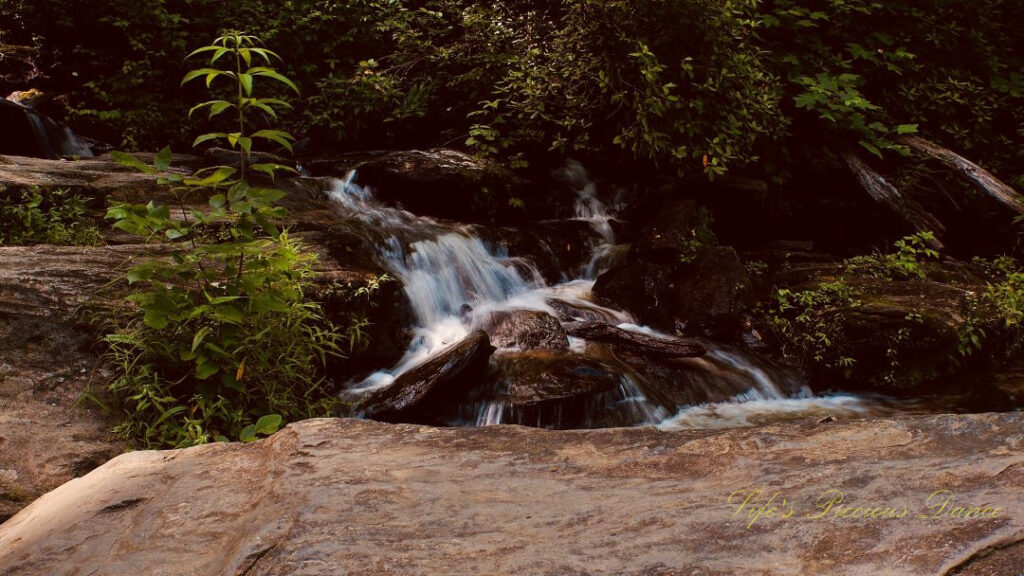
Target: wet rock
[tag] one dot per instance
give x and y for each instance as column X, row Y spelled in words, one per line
column 432, row 383
column 27, row 133
column 552, row 389
column 378, row 306
column 635, row 342
column 558, row 249
column 525, row 329
column 397, row 492
column 707, row 295
column 440, row 182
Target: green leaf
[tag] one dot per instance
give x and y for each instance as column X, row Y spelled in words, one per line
column 219, row 175
column 906, row 129
column 871, row 148
column 131, row 162
column 162, row 161
column 248, row 434
column 271, row 73
column 268, row 424
column 210, row 74
column 246, row 81
column 227, row 313
column 205, row 369
column 198, row 338
column 279, row 136
column 206, row 137
column 155, row 319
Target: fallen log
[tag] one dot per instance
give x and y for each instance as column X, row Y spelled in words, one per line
column 883, row 192
column 634, row 342
column 981, row 178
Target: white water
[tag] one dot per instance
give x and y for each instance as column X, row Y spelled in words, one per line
column 454, row 280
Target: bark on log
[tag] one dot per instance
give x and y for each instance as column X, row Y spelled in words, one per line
column 981, row 178
column 885, row 193
column 634, row 342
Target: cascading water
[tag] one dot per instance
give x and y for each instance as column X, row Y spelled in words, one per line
column 455, row 281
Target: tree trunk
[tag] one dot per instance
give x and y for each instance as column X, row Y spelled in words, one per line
column 981, row 178
column 885, row 193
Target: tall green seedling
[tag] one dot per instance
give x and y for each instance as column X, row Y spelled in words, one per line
column 225, row 344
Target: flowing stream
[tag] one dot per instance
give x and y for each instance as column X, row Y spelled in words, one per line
column 455, row 281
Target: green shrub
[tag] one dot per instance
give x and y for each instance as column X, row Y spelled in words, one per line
column 807, row 326
column 696, row 86
column 903, row 264
column 225, row 343
column 40, row 216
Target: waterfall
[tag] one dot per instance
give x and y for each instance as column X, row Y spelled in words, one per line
column 453, row 279
column 32, row 134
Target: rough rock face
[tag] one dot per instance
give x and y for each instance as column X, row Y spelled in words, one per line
column 525, row 329
column 916, row 322
column 356, row 497
column 50, row 297
column 445, row 376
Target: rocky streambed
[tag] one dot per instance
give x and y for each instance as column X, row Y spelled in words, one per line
column 573, row 320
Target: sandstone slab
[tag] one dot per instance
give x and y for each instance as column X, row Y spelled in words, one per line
column 358, row 497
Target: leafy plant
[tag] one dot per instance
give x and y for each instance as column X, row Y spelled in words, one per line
column 806, row 324
column 225, row 344
column 903, row 264
column 38, row 216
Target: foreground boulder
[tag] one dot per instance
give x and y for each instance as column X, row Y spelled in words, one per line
column 357, row 497
column 431, row 383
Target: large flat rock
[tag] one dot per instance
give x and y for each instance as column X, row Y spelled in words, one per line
column 359, row 497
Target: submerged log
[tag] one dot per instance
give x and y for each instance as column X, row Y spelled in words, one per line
column 981, row 178
column 885, row 193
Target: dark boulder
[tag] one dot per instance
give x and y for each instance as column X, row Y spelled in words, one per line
column 525, row 329
column 895, row 336
column 432, row 383
column 443, row 183
column 707, row 295
column 673, row 233
column 27, row 133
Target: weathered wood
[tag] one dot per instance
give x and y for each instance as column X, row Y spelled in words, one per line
column 885, row 193
column 638, row 343
column 981, row 178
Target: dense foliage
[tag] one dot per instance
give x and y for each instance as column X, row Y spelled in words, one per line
column 224, row 343
column 699, row 86
column 35, row 216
